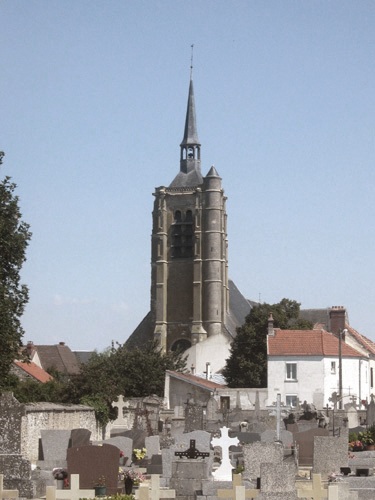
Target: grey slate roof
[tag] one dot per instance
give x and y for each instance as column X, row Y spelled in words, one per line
column 191, row 179
column 58, row 357
column 190, row 132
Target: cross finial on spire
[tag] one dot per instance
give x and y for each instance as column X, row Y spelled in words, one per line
column 191, row 60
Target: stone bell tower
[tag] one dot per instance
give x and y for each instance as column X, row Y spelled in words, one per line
column 189, row 277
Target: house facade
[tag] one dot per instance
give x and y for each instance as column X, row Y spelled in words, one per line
column 304, row 365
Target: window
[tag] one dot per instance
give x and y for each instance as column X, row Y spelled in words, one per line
column 182, row 232
column 333, row 366
column 291, row 371
column 371, row 378
column 291, row 400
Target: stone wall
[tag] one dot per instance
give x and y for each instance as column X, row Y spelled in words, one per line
column 39, row 416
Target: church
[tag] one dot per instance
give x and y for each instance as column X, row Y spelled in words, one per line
column 195, row 307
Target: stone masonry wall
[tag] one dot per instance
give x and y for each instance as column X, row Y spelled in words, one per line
column 59, row 417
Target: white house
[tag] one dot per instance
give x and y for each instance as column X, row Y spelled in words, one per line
column 304, row 364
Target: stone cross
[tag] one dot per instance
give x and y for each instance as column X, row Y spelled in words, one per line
column 224, row 472
column 155, row 493
column 238, row 491
column 74, row 493
column 316, row 492
column 7, row 493
column 120, row 405
column 191, row 452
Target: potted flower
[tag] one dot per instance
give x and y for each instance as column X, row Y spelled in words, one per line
column 132, row 478
column 122, row 458
column 139, row 454
column 100, row 486
column 356, row 445
column 60, row 475
column 366, row 438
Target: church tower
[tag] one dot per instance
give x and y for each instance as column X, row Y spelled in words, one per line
column 189, row 276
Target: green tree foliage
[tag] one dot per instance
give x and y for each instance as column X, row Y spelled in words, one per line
column 133, row 372
column 14, row 238
column 247, row 363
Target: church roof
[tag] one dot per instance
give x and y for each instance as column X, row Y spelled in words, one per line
column 189, row 179
column 307, row 343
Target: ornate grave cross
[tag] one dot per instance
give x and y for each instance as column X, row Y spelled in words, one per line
column 155, row 493
column 238, row 491
column 191, row 452
column 120, row 405
column 316, row 492
column 139, row 412
column 224, row 472
column 7, row 493
column 74, row 493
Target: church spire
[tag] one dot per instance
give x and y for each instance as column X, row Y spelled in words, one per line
column 190, row 133
column 190, row 145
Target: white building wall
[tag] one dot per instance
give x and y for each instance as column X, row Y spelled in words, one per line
column 214, row 349
column 316, row 379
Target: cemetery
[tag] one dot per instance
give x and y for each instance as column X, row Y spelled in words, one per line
column 197, row 450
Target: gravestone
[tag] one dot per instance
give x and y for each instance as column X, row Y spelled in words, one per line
column 202, row 443
column 121, row 405
column 91, row 462
column 138, row 437
column 270, row 436
column 152, row 445
column 258, row 453
column 155, row 466
column 54, row 445
column 187, row 476
column 80, row 437
column 202, row 440
column 305, row 443
column 330, row 453
column 193, row 417
column 224, row 472
column 16, row 469
column 278, row 481
column 123, row 444
column 246, row 437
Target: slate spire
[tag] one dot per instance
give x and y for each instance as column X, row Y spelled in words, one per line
column 190, row 133
column 190, row 148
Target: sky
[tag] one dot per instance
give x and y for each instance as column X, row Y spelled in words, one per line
column 93, row 99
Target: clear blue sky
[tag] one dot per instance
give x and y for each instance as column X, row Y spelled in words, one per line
column 93, row 99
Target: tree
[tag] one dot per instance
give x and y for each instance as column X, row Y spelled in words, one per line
column 133, row 372
column 14, row 238
column 247, row 363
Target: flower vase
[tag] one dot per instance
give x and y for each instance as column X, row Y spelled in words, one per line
column 100, row 491
column 122, row 461
column 128, row 482
column 59, row 484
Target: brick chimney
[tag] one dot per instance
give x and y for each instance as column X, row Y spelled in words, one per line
column 270, row 330
column 337, row 316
